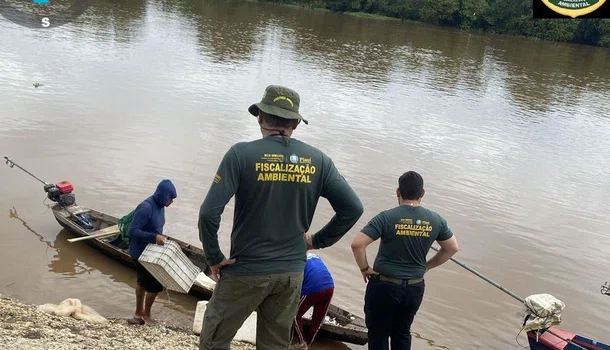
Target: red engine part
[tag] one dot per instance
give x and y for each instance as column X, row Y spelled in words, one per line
column 65, row 187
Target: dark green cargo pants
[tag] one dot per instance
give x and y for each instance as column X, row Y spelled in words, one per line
column 274, row 297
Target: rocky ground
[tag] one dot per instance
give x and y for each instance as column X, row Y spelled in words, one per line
column 23, row 327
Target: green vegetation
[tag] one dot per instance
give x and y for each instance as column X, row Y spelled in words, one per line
column 512, row 17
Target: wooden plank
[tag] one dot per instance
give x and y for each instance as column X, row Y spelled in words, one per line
column 99, row 235
column 108, row 231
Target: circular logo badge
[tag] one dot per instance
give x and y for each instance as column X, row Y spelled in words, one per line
column 573, row 8
column 43, row 14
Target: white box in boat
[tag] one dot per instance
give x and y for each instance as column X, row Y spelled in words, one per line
column 170, row 266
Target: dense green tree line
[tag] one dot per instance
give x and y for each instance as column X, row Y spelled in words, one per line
column 513, row 17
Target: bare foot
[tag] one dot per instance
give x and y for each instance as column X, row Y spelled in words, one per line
column 148, row 320
column 136, row 319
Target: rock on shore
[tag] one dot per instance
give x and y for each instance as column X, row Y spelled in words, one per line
column 23, row 327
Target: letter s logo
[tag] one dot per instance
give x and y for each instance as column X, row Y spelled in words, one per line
column 46, row 22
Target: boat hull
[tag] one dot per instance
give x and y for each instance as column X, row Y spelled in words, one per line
column 351, row 329
column 557, row 341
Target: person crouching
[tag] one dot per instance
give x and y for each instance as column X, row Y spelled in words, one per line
column 317, row 292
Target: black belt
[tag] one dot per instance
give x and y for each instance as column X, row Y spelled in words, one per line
column 400, row 281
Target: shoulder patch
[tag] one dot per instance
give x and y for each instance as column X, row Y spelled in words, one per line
column 217, row 178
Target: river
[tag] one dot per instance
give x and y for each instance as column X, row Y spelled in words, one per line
column 510, row 134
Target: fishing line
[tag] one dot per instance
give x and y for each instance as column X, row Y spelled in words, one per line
column 517, row 339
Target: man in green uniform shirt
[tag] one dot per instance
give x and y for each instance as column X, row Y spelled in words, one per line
column 395, row 288
column 277, row 181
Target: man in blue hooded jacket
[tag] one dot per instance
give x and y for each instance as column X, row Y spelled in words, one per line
column 147, row 227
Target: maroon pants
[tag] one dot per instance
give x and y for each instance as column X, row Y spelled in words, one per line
column 320, row 302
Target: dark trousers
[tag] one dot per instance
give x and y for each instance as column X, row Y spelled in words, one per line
column 389, row 309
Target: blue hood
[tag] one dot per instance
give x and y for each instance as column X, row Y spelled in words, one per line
column 165, row 191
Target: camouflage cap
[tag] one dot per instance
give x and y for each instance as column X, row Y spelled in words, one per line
column 280, row 101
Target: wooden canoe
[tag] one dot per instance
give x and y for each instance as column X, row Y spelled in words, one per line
column 350, row 329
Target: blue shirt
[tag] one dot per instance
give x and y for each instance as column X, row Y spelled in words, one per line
column 149, row 218
column 317, row 277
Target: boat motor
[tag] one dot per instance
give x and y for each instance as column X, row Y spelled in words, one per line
column 61, row 193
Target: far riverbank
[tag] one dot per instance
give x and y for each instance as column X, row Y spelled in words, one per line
column 491, row 17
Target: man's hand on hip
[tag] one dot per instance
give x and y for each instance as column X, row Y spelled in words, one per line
column 308, row 239
column 215, row 270
column 368, row 273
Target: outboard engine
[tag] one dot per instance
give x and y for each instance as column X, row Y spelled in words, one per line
column 61, row 193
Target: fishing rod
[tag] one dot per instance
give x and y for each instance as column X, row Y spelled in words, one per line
column 521, row 300
column 60, row 192
column 11, row 164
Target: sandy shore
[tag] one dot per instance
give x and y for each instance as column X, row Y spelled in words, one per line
column 23, row 327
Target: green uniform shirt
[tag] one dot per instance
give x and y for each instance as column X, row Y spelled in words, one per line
column 277, row 183
column 407, row 233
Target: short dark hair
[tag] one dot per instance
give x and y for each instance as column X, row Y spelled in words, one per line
column 410, row 185
column 278, row 122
